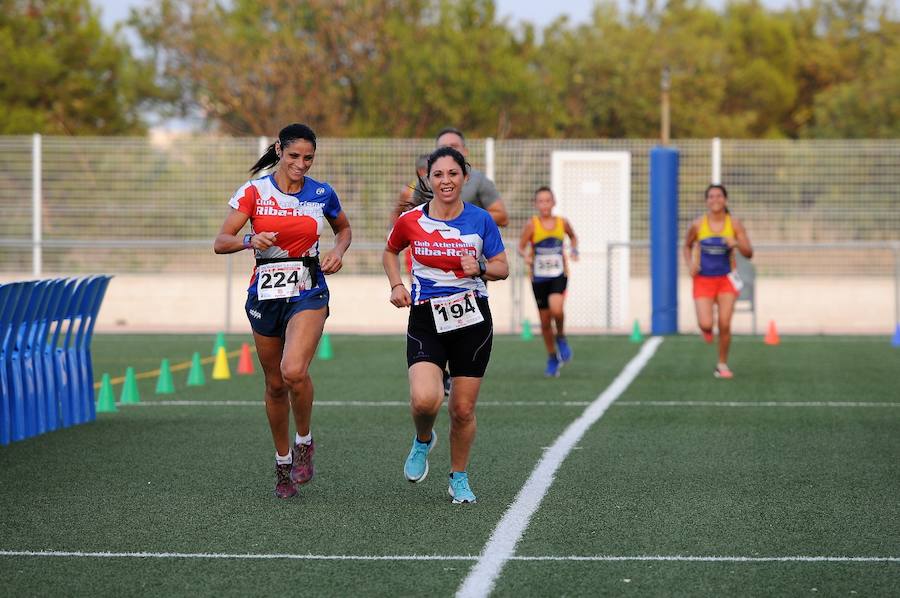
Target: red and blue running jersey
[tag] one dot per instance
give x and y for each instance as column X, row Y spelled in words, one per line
column 436, row 247
column 298, row 218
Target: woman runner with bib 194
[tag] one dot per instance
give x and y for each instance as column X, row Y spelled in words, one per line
column 454, row 247
column 713, row 269
column 287, row 301
column 545, row 235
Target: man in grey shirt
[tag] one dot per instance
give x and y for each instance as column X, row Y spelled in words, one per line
column 478, row 190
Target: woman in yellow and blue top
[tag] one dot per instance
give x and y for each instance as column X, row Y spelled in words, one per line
column 542, row 247
column 716, row 235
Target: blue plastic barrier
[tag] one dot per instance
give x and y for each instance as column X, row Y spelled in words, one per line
column 46, row 373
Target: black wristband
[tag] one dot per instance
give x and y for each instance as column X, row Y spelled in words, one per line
column 482, row 268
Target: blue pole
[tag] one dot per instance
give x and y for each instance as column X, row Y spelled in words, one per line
column 664, row 240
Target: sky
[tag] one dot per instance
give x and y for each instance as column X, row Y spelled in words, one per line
column 539, row 12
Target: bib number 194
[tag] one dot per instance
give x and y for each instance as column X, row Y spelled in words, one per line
column 455, row 312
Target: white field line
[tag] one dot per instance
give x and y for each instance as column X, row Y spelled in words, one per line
column 438, row 557
column 754, row 404
column 501, row 545
column 796, row 404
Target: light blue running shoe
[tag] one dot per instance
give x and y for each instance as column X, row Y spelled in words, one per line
column 459, row 488
column 416, row 467
column 553, row 366
column 565, row 351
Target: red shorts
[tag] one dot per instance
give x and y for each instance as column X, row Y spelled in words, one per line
column 712, row 286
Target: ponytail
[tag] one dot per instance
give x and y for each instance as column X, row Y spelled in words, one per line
column 268, row 160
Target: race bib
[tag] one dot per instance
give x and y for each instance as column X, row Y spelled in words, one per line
column 455, row 312
column 281, row 280
column 736, row 281
column 548, row 266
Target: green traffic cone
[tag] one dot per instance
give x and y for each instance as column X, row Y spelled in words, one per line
column 526, row 330
column 220, row 342
column 636, row 333
column 195, row 375
column 106, row 402
column 130, row 392
column 164, row 385
column 325, row 351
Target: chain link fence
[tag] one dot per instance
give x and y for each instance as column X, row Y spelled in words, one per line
column 152, row 206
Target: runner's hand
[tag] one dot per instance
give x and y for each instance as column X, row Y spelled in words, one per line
column 400, row 296
column 263, row 241
column 469, row 265
column 330, row 263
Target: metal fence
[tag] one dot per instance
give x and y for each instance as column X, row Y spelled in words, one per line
column 77, row 205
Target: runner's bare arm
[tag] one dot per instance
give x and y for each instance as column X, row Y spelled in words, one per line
column 332, row 261
column 228, row 241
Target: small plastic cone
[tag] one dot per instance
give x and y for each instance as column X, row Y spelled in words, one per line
column 220, row 368
column 195, row 375
column 772, row 335
column 245, row 363
column 130, row 392
column 220, row 342
column 895, row 342
column 527, row 335
column 106, row 402
column 636, row 336
column 164, row 384
column 325, row 351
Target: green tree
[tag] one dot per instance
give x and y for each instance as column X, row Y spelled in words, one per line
column 63, row 74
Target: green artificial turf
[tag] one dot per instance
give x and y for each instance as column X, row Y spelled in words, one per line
column 645, row 480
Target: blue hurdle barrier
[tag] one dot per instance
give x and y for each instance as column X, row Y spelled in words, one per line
column 46, row 371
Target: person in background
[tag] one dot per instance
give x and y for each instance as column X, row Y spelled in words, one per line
column 709, row 255
column 455, row 247
column 542, row 247
column 287, row 300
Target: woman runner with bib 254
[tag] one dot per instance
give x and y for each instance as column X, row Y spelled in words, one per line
column 454, row 246
column 716, row 235
column 541, row 245
column 287, row 301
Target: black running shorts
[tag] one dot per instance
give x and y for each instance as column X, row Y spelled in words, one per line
column 467, row 350
column 543, row 290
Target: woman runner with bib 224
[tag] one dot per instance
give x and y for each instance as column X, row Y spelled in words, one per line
column 287, row 301
column 715, row 236
column 541, row 245
column 454, row 247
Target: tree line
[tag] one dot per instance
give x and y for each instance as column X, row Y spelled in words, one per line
column 405, row 68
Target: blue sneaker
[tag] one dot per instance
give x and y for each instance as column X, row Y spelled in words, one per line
column 565, row 351
column 459, row 488
column 416, row 467
column 553, row 366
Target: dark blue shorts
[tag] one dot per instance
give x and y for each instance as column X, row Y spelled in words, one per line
column 270, row 318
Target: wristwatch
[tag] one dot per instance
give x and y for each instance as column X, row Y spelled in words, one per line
column 482, row 267
column 247, row 238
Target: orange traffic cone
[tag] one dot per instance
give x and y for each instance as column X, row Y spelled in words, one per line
column 772, row 335
column 245, row 364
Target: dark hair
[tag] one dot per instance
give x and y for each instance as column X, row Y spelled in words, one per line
column 720, row 188
column 433, row 157
column 543, row 188
column 422, row 161
column 453, row 130
column 286, row 136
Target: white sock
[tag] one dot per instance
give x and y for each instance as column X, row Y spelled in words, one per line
column 303, row 439
column 283, row 460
